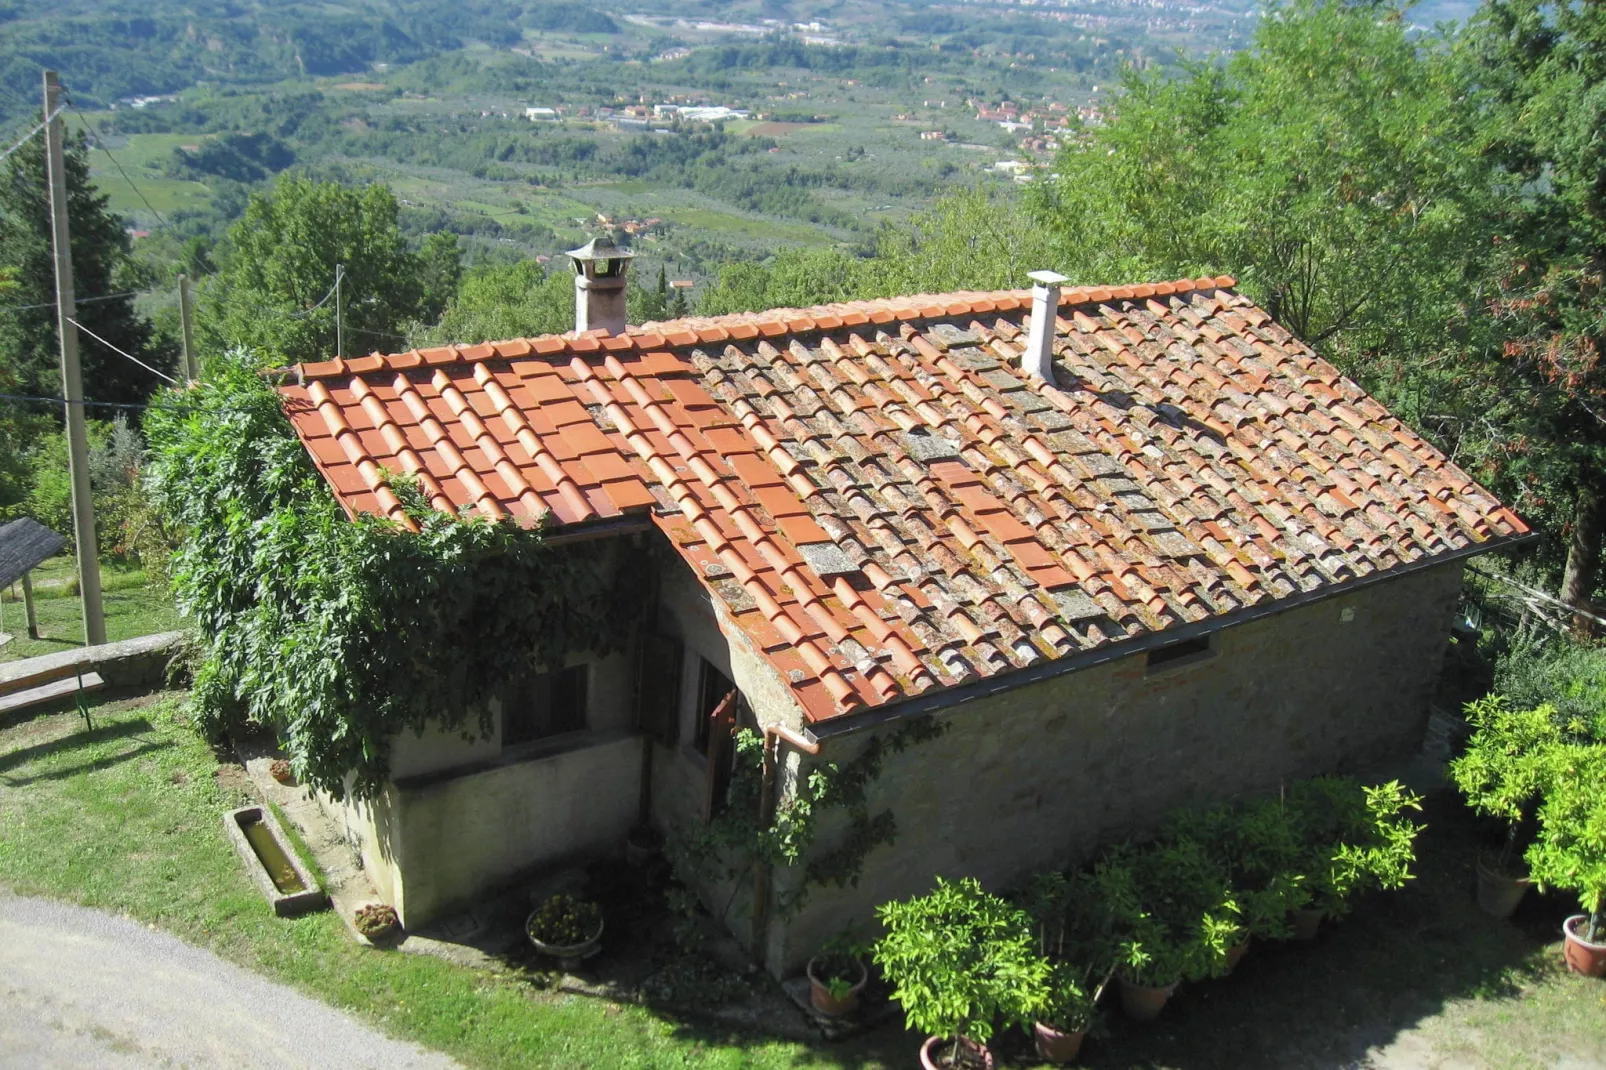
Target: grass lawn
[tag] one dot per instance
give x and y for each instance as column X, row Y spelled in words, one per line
column 127, row 819
column 133, row 608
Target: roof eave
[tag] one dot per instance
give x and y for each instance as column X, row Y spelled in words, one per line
column 848, row 723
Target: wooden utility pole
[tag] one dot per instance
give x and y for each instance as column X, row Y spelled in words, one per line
column 340, row 312
column 192, row 370
column 72, row 385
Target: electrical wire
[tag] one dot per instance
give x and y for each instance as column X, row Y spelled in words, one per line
column 30, row 135
column 100, row 143
column 77, row 301
column 121, row 353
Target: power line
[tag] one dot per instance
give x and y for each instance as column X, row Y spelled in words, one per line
column 100, row 143
column 80, row 301
column 30, row 135
column 121, row 353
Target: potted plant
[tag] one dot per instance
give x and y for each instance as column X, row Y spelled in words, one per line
column 1174, row 915
column 1502, row 774
column 836, row 977
column 1073, row 933
column 566, row 928
column 280, row 770
column 1065, row 1017
column 959, row 960
column 377, row 922
column 1570, row 851
column 642, row 842
column 1257, row 844
column 1354, row 838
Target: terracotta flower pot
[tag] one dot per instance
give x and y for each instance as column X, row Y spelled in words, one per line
column 835, row 1006
column 1236, row 954
column 1141, row 1003
column 1307, row 923
column 1055, row 1046
column 1499, row 895
column 934, row 1054
column 280, row 770
column 1582, row 956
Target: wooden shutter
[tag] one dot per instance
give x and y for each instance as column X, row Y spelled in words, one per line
column 658, row 687
column 717, row 773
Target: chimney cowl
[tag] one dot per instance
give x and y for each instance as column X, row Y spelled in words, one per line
column 1038, row 358
column 601, row 269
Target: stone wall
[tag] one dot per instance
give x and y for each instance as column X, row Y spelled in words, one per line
column 1038, row 776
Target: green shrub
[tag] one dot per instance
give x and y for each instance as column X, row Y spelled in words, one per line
column 1567, row 676
column 1507, row 763
column 1354, row 838
column 1261, row 850
column 1570, row 851
column 1171, row 908
column 961, row 960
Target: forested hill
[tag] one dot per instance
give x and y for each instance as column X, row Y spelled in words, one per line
column 127, row 48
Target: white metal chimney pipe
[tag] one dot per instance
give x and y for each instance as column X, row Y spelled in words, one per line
column 1038, row 360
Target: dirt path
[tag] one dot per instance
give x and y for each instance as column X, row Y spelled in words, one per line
column 79, row 988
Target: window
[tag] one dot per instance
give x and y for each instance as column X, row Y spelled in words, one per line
column 545, row 704
column 712, row 687
column 1179, row 653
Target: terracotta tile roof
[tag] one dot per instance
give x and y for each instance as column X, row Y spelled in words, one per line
column 885, row 504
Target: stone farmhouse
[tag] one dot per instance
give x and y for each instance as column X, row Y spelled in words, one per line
column 1132, row 546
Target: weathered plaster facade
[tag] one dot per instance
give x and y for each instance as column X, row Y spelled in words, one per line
column 463, row 816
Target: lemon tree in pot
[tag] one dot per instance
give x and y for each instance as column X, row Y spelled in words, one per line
column 1174, row 917
column 960, row 961
column 1502, row 774
column 1258, row 847
column 1570, row 851
column 1355, row 838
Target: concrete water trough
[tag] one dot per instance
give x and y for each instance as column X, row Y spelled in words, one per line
column 272, row 862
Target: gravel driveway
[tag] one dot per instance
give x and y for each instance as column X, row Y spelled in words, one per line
column 79, row 988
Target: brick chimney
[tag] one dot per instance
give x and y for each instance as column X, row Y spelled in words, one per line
column 1038, row 360
column 601, row 271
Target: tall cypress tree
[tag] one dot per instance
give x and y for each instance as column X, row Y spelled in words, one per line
column 30, row 356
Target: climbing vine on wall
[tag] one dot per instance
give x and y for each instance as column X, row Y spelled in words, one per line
column 339, row 633
column 737, row 836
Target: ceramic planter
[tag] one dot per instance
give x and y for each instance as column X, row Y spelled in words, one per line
column 822, row 1000
column 1499, row 895
column 1056, row 1046
column 934, row 1054
column 1582, row 956
column 641, row 844
column 1307, row 923
column 1142, row 1003
column 280, row 770
column 569, row 956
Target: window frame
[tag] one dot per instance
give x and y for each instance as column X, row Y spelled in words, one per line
column 578, row 676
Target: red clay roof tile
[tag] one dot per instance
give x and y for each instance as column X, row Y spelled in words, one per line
column 745, row 419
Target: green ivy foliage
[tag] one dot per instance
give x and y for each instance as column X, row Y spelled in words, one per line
column 339, row 634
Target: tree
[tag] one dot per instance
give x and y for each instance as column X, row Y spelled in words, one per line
column 1329, row 168
column 274, row 294
column 30, row 353
column 440, row 259
column 1541, row 73
column 505, row 301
